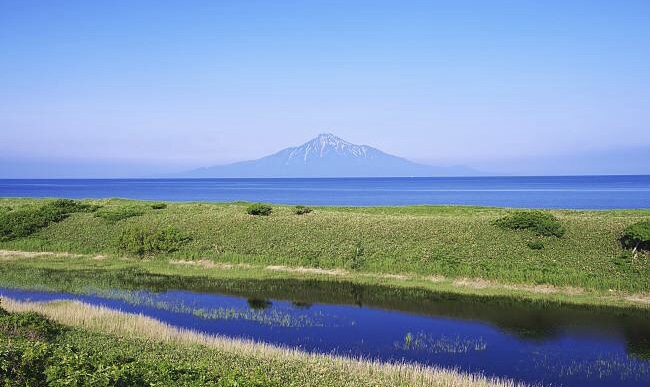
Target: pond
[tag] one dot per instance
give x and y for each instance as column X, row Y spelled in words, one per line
column 535, row 342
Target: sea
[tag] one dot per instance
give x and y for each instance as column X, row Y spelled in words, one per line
column 571, row 192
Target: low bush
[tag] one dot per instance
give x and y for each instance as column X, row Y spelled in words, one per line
column 143, row 241
column 301, row 210
column 535, row 245
column 114, row 214
column 637, row 236
column 23, row 222
column 259, row 209
column 541, row 223
column 28, row 325
column 159, row 206
column 69, row 206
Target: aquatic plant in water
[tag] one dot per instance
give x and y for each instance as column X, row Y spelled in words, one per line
column 266, row 316
column 424, row 342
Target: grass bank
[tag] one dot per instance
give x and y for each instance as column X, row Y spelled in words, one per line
column 80, row 273
column 428, row 241
column 105, row 347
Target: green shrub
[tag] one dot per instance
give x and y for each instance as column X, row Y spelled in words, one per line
column 259, row 209
column 69, row 206
column 24, row 222
column 114, row 214
column 159, row 206
column 28, row 325
column 535, row 245
column 23, row 363
column 74, row 367
column 541, row 223
column 637, row 236
column 142, row 241
column 301, row 210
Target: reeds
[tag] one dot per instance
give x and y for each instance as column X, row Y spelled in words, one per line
column 315, row 366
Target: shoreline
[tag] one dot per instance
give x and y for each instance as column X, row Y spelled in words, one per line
column 214, row 270
column 316, row 369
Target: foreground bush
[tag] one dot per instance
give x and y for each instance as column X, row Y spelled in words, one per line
column 259, row 209
column 541, row 223
column 24, row 222
column 143, row 241
column 637, row 236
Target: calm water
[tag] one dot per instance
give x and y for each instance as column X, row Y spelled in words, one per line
column 580, row 192
column 566, row 346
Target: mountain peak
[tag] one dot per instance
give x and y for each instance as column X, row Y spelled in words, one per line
column 329, row 139
column 327, row 155
column 326, row 145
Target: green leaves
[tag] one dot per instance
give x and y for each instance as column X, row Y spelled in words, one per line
column 26, row 221
column 259, row 209
column 637, row 236
column 541, row 223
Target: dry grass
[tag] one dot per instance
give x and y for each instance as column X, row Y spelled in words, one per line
column 478, row 283
column 367, row 373
column 307, row 270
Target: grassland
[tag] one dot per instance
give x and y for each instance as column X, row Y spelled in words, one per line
column 454, row 243
column 102, row 347
column 414, row 259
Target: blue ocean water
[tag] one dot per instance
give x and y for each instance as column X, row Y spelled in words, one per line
column 577, row 192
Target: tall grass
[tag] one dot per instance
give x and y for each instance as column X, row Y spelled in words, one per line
column 294, row 367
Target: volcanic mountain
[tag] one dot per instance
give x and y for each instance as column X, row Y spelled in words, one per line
column 328, row 156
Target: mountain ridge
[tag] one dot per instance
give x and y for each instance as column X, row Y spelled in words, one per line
column 328, row 156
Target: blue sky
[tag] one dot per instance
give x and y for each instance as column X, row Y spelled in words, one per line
column 126, row 88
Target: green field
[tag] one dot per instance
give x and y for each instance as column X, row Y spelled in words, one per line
column 452, row 242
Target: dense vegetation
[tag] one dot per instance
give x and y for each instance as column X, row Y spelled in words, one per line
column 22, row 222
column 259, row 209
column 453, row 242
column 301, row 210
column 117, row 213
column 143, row 241
column 541, row 223
column 34, row 351
column 637, row 236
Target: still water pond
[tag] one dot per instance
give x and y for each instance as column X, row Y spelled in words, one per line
column 534, row 343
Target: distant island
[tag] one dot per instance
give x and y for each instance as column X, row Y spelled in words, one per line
column 329, row 156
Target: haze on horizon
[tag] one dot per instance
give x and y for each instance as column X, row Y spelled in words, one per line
column 128, row 89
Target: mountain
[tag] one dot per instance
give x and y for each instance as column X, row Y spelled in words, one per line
column 328, row 156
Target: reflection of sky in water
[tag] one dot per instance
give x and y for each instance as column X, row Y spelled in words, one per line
column 572, row 356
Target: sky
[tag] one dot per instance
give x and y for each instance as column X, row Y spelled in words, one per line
column 144, row 88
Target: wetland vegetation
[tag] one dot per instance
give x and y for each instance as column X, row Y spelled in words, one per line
column 531, row 274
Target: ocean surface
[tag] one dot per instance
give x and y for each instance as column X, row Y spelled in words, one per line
column 577, row 192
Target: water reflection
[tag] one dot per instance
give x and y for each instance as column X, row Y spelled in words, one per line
column 537, row 342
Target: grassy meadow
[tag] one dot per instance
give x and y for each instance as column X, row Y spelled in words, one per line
column 441, row 241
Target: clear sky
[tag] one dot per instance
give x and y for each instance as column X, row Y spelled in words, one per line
column 126, row 88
